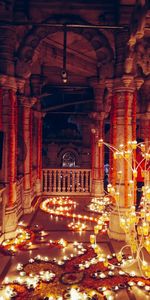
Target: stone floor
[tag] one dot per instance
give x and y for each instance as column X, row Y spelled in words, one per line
column 55, row 228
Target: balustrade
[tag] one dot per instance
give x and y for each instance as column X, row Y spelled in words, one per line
column 66, row 181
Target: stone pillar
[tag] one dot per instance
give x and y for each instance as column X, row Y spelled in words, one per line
column 97, row 156
column 39, row 154
column 1, row 188
column 12, row 154
column 27, row 138
column 123, row 98
column 36, row 82
column 9, row 170
column 98, row 152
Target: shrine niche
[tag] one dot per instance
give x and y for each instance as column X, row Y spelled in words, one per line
column 68, row 160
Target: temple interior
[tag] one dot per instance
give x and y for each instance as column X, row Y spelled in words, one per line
column 74, row 150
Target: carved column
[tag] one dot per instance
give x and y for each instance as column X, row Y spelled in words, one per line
column 36, row 82
column 27, row 138
column 98, row 152
column 123, row 97
column 97, row 156
column 9, row 170
column 39, row 153
column 12, row 154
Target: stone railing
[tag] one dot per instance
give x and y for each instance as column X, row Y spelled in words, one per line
column 66, row 181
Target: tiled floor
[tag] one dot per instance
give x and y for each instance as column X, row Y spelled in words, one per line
column 55, row 228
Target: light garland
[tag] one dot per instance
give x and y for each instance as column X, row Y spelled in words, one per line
column 63, row 206
column 126, row 149
column 135, row 224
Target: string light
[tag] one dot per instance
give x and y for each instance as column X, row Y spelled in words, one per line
column 134, row 224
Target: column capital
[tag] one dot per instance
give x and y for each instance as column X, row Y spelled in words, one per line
column 27, row 101
column 20, row 85
column 144, row 116
column 138, row 82
column 124, row 84
column 8, row 82
column 127, row 80
column 3, row 79
column 11, row 82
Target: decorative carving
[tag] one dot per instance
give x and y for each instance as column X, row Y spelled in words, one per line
column 20, row 85
column 138, row 22
column 129, row 64
column 23, row 69
column 142, row 56
column 139, row 81
column 8, row 82
column 3, row 79
column 127, row 80
column 28, row 101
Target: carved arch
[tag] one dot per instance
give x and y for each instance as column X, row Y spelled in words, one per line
column 96, row 38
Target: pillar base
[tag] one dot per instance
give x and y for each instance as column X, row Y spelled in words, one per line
column 97, row 188
column 115, row 231
column 10, row 223
column 27, row 208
